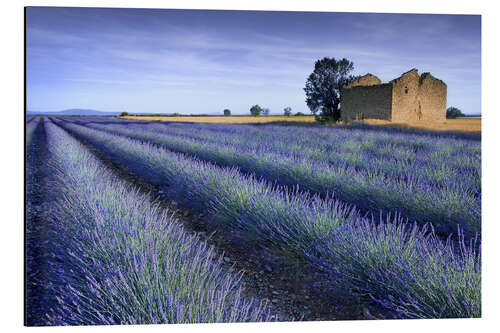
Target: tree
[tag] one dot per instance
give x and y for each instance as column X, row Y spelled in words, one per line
column 298, row 114
column 123, row 114
column 227, row 112
column 325, row 84
column 453, row 112
column 255, row 110
column 287, row 111
column 266, row 111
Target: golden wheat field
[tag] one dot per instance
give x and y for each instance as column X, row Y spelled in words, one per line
column 459, row 125
column 225, row 120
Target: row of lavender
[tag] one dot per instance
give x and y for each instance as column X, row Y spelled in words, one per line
column 117, row 258
column 30, row 129
column 437, row 163
column 425, row 179
column 34, row 242
column 403, row 267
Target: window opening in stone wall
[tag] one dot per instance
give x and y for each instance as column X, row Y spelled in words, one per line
column 406, row 90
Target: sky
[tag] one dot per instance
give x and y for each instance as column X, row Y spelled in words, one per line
column 202, row 62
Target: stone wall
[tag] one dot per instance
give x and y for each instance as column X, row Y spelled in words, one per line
column 409, row 98
column 432, row 98
column 405, row 95
column 365, row 80
column 366, row 102
column 418, row 98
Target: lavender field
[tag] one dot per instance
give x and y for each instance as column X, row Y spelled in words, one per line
column 133, row 222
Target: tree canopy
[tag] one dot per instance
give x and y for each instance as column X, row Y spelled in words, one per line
column 287, row 111
column 325, row 84
column 227, row 112
column 453, row 112
column 255, row 110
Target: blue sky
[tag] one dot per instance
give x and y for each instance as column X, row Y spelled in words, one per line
column 186, row 61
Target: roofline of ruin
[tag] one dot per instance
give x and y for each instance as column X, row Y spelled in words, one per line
column 422, row 77
column 426, row 75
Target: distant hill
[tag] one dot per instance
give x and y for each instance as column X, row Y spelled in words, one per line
column 73, row 112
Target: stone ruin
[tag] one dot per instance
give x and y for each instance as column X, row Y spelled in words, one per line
column 411, row 97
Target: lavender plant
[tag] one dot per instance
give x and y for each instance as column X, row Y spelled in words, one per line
column 404, row 268
column 119, row 259
column 31, row 126
column 321, row 231
column 37, row 299
column 426, row 180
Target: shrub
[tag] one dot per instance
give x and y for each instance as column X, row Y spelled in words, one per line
column 453, row 112
column 255, row 110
